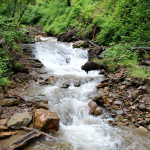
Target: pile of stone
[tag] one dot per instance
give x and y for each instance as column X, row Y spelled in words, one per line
column 17, row 114
column 126, row 99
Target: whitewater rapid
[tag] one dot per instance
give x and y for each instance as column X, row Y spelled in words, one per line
column 78, row 129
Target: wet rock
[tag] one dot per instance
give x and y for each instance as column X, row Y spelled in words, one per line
column 92, row 105
column 9, row 102
column 142, row 128
column 37, row 38
column 98, row 96
column 81, row 44
column 68, row 37
column 98, row 111
column 37, row 98
column 66, row 84
column 51, row 80
column 19, row 120
column 46, row 120
column 43, row 34
column 90, row 65
column 41, row 105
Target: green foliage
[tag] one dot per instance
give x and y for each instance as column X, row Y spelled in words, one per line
column 10, row 33
column 3, row 68
column 107, row 22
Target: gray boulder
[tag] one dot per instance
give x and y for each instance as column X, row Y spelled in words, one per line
column 19, row 120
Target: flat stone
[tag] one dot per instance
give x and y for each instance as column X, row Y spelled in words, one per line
column 3, row 127
column 119, row 112
column 4, row 134
column 9, row 102
column 142, row 128
column 19, row 120
column 117, row 102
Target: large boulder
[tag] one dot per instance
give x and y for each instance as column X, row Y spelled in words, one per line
column 19, row 120
column 68, row 37
column 9, row 102
column 81, row 44
column 91, row 65
column 96, row 52
column 46, row 120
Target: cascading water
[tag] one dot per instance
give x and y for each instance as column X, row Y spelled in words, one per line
column 77, row 128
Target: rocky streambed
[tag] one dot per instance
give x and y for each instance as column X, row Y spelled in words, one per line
column 85, row 103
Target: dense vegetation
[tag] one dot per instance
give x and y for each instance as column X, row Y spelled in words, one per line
column 118, row 23
column 121, row 24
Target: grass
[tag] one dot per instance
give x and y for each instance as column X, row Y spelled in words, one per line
column 119, row 56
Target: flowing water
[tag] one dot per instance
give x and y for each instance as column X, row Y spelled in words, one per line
column 78, row 130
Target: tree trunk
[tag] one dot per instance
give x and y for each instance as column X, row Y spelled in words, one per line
column 13, row 15
column 69, row 3
column 23, row 11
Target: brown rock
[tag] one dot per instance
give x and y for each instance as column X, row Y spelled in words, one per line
column 122, row 87
column 3, row 127
column 7, row 134
column 82, row 44
column 43, row 34
column 46, row 120
column 51, row 80
column 92, row 105
column 41, row 105
column 135, row 94
column 101, row 85
column 98, row 96
column 142, row 128
column 148, row 127
column 98, row 111
column 119, row 75
column 9, row 102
